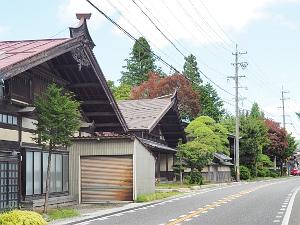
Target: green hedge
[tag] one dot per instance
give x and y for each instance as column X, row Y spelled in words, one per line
column 245, row 173
column 263, row 172
column 18, row 217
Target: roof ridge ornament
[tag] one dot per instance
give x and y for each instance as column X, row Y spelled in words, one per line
column 82, row 29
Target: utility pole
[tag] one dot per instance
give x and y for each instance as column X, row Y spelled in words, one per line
column 283, row 107
column 283, row 98
column 236, row 77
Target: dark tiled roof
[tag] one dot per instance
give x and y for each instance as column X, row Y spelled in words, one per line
column 222, row 156
column 12, row 52
column 143, row 113
column 156, row 145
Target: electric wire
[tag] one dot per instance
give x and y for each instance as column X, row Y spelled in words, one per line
column 199, row 26
column 194, row 7
column 158, row 57
column 136, row 29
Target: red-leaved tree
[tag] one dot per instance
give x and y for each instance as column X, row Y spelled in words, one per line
column 188, row 99
column 278, row 141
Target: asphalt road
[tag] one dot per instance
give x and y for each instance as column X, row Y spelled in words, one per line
column 255, row 203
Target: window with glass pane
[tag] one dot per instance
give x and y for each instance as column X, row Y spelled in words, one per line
column 15, row 120
column 29, row 173
column 37, row 185
column 4, row 118
column 65, row 172
column 1, row 120
column 58, row 173
column 9, row 119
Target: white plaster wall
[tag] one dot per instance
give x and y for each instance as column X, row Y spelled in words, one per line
column 27, row 137
column 28, row 123
column 9, row 135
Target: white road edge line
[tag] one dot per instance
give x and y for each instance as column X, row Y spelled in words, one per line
column 288, row 212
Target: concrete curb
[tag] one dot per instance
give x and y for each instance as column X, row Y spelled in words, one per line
column 98, row 215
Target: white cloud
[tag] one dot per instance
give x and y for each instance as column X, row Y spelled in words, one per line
column 285, row 21
column 232, row 15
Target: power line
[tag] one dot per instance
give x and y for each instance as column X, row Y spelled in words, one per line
column 153, row 23
column 158, row 57
column 162, row 33
column 221, row 28
column 179, row 21
column 194, row 7
column 135, row 27
column 197, row 24
column 131, row 36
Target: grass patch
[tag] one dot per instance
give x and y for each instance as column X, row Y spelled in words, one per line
column 62, row 213
column 173, row 185
column 156, row 196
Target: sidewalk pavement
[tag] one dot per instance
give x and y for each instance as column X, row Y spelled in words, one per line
column 93, row 213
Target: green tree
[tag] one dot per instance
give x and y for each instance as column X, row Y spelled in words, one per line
column 211, row 103
column 292, row 146
column 256, row 112
column 195, row 156
column 58, row 118
column 121, row 92
column 139, row 64
column 206, row 131
column 191, row 70
column 206, row 138
column 254, row 138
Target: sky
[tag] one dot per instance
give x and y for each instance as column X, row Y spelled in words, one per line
column 268, row 30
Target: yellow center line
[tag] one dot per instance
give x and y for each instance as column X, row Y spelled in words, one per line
column 214, row 205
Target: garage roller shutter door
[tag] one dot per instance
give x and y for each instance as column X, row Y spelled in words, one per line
column 106, row 178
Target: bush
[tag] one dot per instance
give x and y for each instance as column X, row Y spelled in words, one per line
column 18, row 217
column 274, row 173
column 263, row 172
column 245, row 173
column 195, row 177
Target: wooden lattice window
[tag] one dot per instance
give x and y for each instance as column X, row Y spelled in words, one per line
column 9, row 185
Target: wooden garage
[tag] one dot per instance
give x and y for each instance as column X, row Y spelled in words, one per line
column 106, row 178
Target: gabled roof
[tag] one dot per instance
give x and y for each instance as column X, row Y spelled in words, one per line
column 144, row 114
column 71, row 59
column 13, row 52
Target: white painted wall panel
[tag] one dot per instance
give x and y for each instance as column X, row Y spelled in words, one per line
column 28, row 123
column 9, row 135
column 144, row 169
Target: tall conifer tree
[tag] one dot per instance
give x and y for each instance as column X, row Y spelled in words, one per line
column 139, row 64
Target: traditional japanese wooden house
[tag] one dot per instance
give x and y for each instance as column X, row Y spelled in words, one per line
column 114, row 167
column 26, row 69
column 157, row 124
